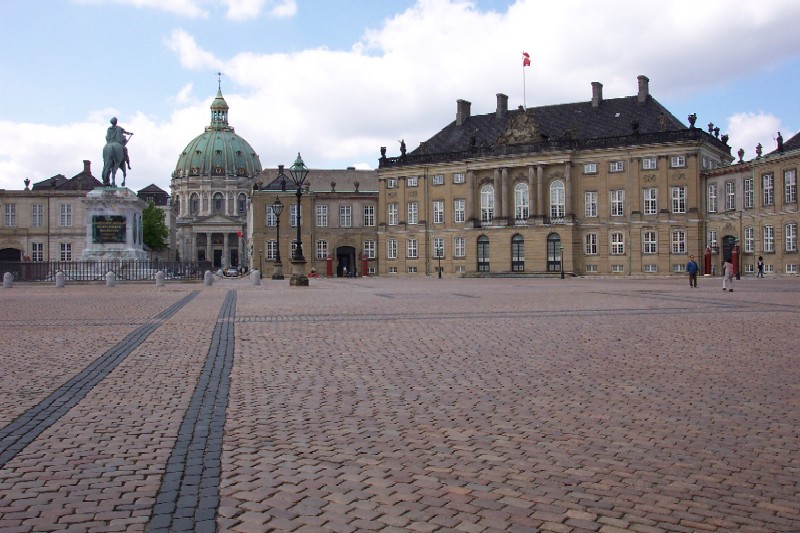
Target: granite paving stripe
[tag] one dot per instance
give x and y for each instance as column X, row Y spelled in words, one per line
column 188, row 498
column 28, row 426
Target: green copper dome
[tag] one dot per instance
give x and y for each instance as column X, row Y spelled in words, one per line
column 218, row 151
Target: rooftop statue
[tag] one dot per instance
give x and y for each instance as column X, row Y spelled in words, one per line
column 115, row 154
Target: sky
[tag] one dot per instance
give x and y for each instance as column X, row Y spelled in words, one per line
column 335, row 80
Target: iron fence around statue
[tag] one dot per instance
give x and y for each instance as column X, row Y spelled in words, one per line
column 43, row 271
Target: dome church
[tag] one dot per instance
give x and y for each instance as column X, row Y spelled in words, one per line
column 210, row 186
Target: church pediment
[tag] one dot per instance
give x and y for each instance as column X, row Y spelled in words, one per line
column 217, row 219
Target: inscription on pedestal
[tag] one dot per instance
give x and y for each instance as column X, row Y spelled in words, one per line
column 108, row 229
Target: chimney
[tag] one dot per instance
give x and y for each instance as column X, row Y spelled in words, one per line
column 87, row 166
column 597, row 93
column 644, row 89
column 462, row 111
column 502, row 105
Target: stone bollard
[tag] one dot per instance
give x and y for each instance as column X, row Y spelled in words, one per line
column 111, row 279
column 160, row 278
column 8, row 280
column 60, row 278
column 255, row 277
column 208, row 278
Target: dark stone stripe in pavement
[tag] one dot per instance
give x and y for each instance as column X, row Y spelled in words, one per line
column 188, row 498
column 33, row 422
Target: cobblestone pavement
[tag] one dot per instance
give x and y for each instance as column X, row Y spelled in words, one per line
column 401, row 405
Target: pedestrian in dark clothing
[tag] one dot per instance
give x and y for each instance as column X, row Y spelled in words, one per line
column 692, row 268
column 760, row 267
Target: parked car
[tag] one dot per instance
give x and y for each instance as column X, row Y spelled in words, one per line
column 231, row 272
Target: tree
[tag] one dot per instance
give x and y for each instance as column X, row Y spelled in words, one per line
column 154, row 231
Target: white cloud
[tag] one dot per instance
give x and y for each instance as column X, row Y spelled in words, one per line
column 190, row 55
column 185, row 8
column 749, row 129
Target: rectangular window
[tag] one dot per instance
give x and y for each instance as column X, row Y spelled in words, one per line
column 272, row 250
column 322, row 249
column 590, row 168
column 345, row 216
column 369, row 249
column 649, row 242
column 749, row 194
column 392, row 270
column 438, row 179
column 391, row 249
column 791, row 269
column 649, row 163
column 459, row 210
column 65, row 218
column 768, row 189
column 459, row 247
column 293, row 215
column 616, row 166
column 590, row 203
column 590, row 244
column 37, row 251
column 10, row 215
column 391, row 183
column 730, row 196
column 617, row 269
column 617, row 243
column 413, row 212
column 37, row 215
column 392, row 214
column 712, row 198
column 617, row 203
column 712, row 239
column 411, row 248
column 678, row 199
column 438, row 211
column 677, row 161
column 790, row 233
column 269, row 216
column 591, row 268
column 651, row 201
column 678, row 241
column 66, row 250
column 438, row 247
column 749, row 240
column 322, row 216
column 651, row 268
column 411, row 181
column 789, row 186
column 369, row 215
column 458, row 177
column 769, row 239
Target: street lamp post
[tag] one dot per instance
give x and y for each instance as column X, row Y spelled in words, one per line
column 299, row 172
column 561, row 259
column 260, row 265
column 439, row 254
column 277, row 209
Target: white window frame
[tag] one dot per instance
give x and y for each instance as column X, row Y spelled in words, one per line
column 487, row 204
column 749, row 240
column 412, row 212
column 768, row 244
column 37, row 215
column 590, row 204
column 412, row 248
column 616, row 166
column 649, row 242
column 459, row 246
column 391, row 183
column 37, row 251
column 521, row 202
column 65, row 250
column 730, row 196
column 749, row 193
column 459, row 210
column 650, row 204
column 369, row 215
column 590, row 168
column 272, row 250
column 391, row 248
column 392, row 214
column 345, row 216
column 712, row 197
column 617, row 202
column 678, row 241
column 649, row 163
column 322, row 249
column 438, row 245
column 322, row 216
column 590, row 244
column 65, row 216
column 269, row 216
column 617, row 239
column 458, row 177
column 411, row 181
column 438, row 211
column 768, row 189
column 790, row 186
column 790, row 236
column 437, row 179
column 558, row 200
column 712, row 239
column 677, row 161
column 369, row 249
column 678, row 199
column 10, row 214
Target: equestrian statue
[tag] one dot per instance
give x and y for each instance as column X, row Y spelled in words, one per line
column 115, row 154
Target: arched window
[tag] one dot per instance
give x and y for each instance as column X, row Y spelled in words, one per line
column 517, row 253
column 554, row 252
column 219, row 203
column 483, row 253
column 176, row 203
column 241, row 206
column 557, row 199
column 487, row 204
column 521, row 202
column 194, row 204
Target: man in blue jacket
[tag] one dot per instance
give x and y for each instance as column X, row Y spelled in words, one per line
column 692, row 268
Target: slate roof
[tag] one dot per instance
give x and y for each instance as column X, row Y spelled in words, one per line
column 319, row 180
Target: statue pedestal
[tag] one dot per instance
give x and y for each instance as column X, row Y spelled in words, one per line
column 113, row 225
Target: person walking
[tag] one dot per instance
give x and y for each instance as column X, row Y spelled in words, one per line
column 692, row 268
column 727, row 275
column 760, row 267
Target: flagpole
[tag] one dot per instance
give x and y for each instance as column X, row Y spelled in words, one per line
column 524, row 90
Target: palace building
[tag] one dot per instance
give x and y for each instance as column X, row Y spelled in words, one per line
column 601, row 187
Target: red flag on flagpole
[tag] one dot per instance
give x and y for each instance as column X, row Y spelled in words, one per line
column 526, row 59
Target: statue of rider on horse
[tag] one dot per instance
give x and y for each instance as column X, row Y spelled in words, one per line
column 115, row 154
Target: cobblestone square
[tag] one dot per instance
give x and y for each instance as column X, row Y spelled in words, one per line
column 375, row 404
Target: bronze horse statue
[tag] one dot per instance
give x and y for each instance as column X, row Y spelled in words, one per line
column 115, row 155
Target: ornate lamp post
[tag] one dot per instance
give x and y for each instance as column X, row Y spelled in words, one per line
column 277, row 209
column 298, row 171
column 439, row 254
column 260, row 267
column 561, row 259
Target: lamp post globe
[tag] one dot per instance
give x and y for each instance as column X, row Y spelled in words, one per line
column 298, row 171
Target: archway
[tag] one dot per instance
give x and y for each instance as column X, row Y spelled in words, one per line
column 346, row 261
column 10, row 254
